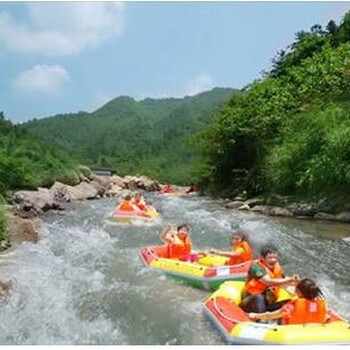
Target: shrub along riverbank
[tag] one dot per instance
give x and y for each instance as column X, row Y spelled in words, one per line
column 289, row 132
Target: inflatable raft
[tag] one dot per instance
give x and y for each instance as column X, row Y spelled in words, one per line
column 205, row 271
column 129, row 217
column 236, row 327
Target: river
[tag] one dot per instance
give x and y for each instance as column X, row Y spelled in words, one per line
column 83, row 282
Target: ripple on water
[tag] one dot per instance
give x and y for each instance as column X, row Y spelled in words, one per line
column 83, row 282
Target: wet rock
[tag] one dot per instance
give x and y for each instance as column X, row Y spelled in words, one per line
column 4, row 244
column 344, row 217
column 20, row 229
column 252, row 202
column 234, row 205
column 303, row 209
column 5, row 288
column 43, row 199
column 88, row 191
column 325, row 216
column 272, row 210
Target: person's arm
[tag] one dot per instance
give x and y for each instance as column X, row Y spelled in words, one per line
column 271, row 282
column 236, row 252
column 165, row 233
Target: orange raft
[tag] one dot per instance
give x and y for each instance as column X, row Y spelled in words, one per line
column 206, row 271
column 237, row 328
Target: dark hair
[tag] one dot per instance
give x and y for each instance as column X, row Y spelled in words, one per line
column 240, row 234
column 127, row 197
column 181, row 226
column 309, row 289
column 268, row 249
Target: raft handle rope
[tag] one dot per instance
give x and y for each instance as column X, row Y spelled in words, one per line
column 218, row 310
column 152, row 253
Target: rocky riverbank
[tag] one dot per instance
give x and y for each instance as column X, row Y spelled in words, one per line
column 26, row 207
column 286, row 207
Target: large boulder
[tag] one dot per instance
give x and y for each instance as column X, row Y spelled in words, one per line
column 252, row 202
column 82, row 191
column 343, row 216
column 5, row 288
column 87, row 189
column 272, row 210
column 141, row 182
column 20, row 229
column 60, row 192
column 303, row 209
column 41, row 200
column 234, row 204
column 325, row 216
column 116, row 180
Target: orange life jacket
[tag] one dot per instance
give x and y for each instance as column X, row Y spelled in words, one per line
column 181, row 246
column 256, row 286
column 302, row 311
column 140, row 204
column 125, row 206
column 167, row 189
column 245, row 256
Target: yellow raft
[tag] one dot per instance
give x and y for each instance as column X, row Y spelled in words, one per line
column 129, row 217
column 206, row 271
column 236, row 327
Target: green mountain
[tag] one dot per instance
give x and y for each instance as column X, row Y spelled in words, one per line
column 151, row 137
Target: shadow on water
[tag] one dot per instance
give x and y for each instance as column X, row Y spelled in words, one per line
column 83, row 283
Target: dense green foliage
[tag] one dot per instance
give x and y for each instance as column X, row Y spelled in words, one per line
column 289, row 132
column 26, row 163
column 150, row 137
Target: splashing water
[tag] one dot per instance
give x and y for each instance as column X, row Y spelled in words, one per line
column 83, row 282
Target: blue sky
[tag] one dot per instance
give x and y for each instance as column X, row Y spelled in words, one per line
column 60, row 57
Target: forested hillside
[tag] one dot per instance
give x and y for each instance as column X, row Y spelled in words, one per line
column 289, row 133
column 26, row 162
column 151, row 137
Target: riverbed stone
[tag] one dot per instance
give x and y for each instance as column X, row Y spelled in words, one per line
column 234, row 204
column 344, row 217
column 20, row 229
column 325, row 216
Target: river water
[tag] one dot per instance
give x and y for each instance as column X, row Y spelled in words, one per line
column 83, row 282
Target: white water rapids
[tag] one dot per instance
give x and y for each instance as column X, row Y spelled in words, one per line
column 83, row 282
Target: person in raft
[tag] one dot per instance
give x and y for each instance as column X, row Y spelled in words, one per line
column 264, row 278
column 127, row 205
column 178, row 242
column 193, row 188
column 241, row 250
column 167, row 189
column 309, row 307
column 139, row 202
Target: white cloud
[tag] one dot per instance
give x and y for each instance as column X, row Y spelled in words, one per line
column 62, row 28
column 200, row 83
column 43, row 79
